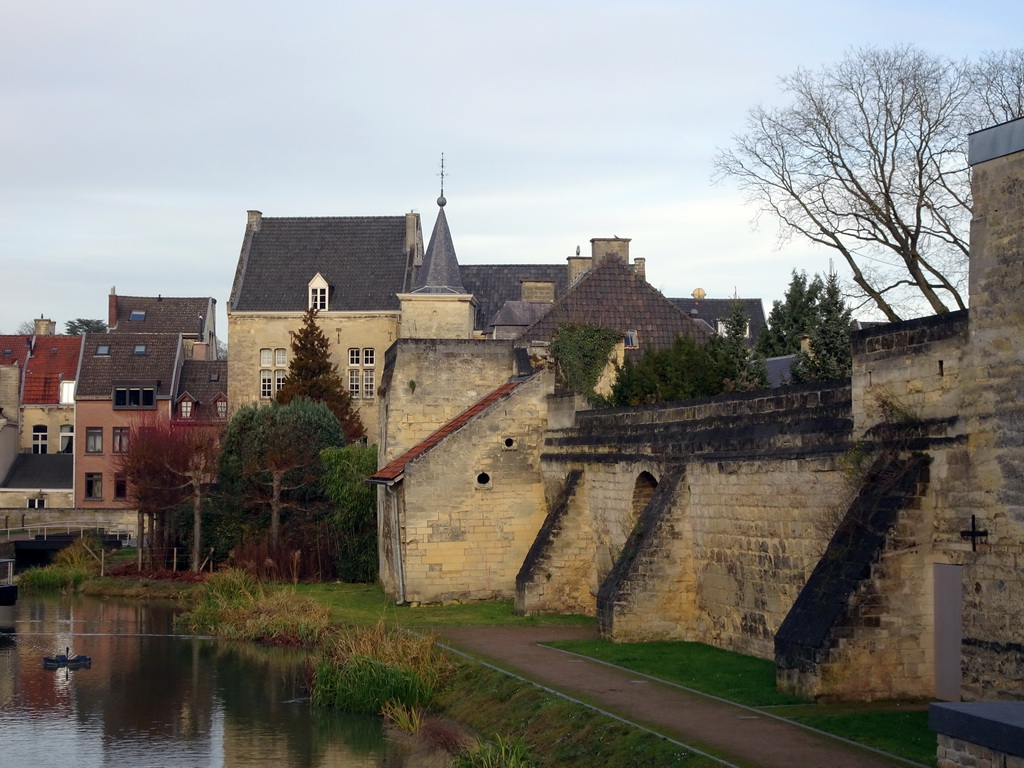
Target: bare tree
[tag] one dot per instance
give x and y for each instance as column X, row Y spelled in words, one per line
column 869, row 159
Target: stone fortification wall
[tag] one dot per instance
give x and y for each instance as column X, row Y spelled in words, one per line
column 485, row 478
column 992, row 392
column 739, row 535
column 438, row 380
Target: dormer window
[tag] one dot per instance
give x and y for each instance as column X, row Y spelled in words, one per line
column 318, row 292
column 222, row 408
column 631, row 340
column 137, row 315
column 185, row 409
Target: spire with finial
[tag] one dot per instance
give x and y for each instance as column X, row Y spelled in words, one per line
column 440, row 270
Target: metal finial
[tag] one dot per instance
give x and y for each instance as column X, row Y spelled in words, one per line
column 441, row 201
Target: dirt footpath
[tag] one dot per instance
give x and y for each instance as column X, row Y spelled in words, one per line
column 737, row 735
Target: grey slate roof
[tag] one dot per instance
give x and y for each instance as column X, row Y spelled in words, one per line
column 164, row 314
column 41, row 471
column 613, row 296
column 160, row 363
column 713, row 310
column 362, row 258
column 492, row 285
column 203, row 380
column 779, row 370
column 440, row 270
column 522, row 313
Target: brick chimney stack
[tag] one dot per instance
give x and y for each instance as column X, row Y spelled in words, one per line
column 44, row 327
column 254, row 221
column 112, row 307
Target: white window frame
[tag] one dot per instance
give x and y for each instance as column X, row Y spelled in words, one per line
column 185, row 409
column 355, row 378
column 319, row 291
column 266, row 384
column 40, row 439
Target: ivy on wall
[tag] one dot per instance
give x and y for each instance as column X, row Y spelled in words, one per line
column 582, row 352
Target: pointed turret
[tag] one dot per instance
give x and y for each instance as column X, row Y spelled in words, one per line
column 440, row 270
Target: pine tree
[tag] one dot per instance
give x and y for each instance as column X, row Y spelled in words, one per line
column 831, row 356
column 795, row 315
column 312, row 375
column 738, row 372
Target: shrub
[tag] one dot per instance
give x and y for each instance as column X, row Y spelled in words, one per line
column 52, row 578
column 500, row 753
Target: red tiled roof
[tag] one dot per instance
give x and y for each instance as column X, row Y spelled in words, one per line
column 55, row 359
column 14, row 349
column 394, row 470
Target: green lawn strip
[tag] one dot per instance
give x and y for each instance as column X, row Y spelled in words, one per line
column 733, row 676
column 559, row 732
column 366, row 604
column 899, row 728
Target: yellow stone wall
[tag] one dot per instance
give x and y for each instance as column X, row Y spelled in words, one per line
column 437, row 316
column 53, row 416
column 249, row 332
column 473, row 503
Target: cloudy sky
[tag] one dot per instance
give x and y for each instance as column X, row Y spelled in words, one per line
column 134, row 135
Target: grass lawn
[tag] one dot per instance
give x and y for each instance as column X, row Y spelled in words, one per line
column 366, row 604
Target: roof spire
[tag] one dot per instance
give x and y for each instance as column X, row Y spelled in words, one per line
column 441, row 201
column 440, row 270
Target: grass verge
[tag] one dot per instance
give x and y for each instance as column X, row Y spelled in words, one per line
column 366, row 604
column 559, row 732
column 733, row 676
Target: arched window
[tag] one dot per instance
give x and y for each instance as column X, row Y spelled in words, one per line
column 39, row 438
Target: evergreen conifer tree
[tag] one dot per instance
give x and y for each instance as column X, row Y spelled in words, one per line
column 831, row 356
column 795, row 315
column 738, row 372
column 312, row 375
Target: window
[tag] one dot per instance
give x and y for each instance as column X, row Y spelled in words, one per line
column 185, row 409
column 120, row 487
column 134, row 397
column 94, row 439
column 139, row 349
column 354, row 358
column 137, row 315
column 632, row 340
column 222, row 409
column 273, row 363
column 39, row 438
column 120, row 439
column 102, row 350
column 67, row 438
column 368, row 356
column 361, row 377
column 318, row 298
column 36, row 504
column 94, row 486
column 368, row 384
column 67, row 392
column 354, row 378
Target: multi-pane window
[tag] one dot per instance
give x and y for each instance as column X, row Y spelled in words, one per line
column 222, row 409
column 67, row 438
column 120, row 487
column 94, row 439
column 361, row 380
column 185, row 409
column 273, row 369
column 36, row 504
column 134, row 397
column 39, row 438
column 120, row 439
column 94, row 485
column 318, row 298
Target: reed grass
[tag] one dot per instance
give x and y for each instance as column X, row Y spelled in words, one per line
column 500, row 753
column 53, row 578
column 408, row 719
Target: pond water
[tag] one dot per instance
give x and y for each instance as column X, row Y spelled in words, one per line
column 153, row 698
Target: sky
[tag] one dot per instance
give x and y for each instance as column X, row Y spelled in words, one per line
column 135, row 135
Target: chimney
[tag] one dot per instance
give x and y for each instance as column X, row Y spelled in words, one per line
column 640, row 267
column 254, row 221
column 609, row 248
column 805, row 343
column 44, row 327
column 112, row 308
column 577, row 266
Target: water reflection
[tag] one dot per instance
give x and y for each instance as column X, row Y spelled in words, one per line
column 151, row 698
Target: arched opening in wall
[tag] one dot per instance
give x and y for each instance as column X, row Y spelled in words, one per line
column 643, row 490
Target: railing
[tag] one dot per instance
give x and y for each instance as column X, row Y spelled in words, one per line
column 65, row 528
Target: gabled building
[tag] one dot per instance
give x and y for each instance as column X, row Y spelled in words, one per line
column 350, row 269
column 195, row 318
column 125, row 380
column 202, row 396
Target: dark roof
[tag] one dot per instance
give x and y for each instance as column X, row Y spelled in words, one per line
column 41, row 471
column 613, row 296
column 494, row 284
column 523, row 313
column 99, row 372
column 163, row 314
column 440, row 270
column 55, row 359
column 779, row 370
column 362, row 258
column 203, row 380
column 713, row 310
column 394, row 470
